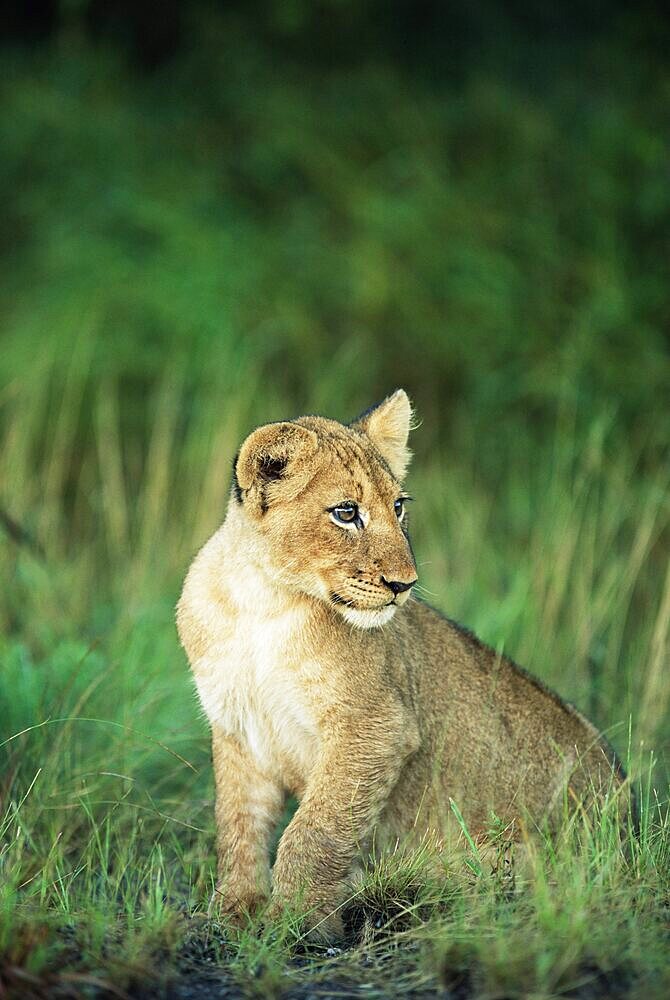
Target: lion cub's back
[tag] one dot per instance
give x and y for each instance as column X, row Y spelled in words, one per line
column 506, row 741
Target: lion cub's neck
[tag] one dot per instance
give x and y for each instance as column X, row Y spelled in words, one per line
column 250, row 588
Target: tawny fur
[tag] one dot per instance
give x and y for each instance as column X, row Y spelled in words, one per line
column 318, row 681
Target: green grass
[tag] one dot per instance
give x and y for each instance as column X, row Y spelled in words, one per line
column 107, row 837
column 176, row 271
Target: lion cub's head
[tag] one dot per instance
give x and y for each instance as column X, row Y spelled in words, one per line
column 327, row 509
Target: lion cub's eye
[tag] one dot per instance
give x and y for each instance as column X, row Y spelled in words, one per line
column 346, row 513
column 399, row 507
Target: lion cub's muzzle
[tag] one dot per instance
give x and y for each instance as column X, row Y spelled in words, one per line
column 372, row 594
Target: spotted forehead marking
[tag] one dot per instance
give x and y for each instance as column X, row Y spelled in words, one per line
column 358, row 458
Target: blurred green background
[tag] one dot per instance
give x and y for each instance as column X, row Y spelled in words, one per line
column 216, row 215
column 225, row 214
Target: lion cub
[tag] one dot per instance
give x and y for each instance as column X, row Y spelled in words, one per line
column 322, row 677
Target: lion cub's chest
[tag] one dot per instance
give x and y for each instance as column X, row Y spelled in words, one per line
column 256, row 682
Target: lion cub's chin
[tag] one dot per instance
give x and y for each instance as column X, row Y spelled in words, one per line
column 368, row 619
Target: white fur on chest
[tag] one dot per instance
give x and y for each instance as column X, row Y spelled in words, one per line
column 252, row 681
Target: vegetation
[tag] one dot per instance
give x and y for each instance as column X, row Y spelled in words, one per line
column 243, row 236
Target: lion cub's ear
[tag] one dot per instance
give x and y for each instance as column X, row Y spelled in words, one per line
column 388, row 426
column 275, row 463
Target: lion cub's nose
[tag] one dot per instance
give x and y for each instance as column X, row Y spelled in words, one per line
column 397, row 587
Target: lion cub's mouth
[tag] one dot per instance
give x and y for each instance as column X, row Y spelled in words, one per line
column 347, row 603
column 395, row 602
column 365, row 618
column 336, row 599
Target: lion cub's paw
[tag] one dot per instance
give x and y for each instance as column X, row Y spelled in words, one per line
column 319, row 925
column 324, row 927
column 236, row 908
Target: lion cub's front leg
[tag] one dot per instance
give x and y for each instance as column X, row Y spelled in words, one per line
column 248, row 806
column 344, row 798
